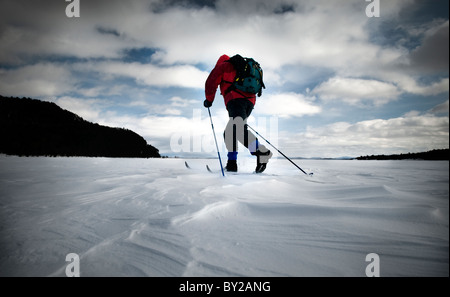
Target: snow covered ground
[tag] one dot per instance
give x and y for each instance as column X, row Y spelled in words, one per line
column 154, row 217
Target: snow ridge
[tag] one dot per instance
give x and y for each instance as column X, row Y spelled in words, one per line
column 132, row 217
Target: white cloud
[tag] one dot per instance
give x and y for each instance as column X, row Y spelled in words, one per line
column 411, row 86
column 287, row 105
column 89, row 109
column 31, row 29
column 183, row 35
column 413, row 133
column 38, row 80
column 441, row 108
column 357, row 91
column 150, row 75
column 314, row 39
column 181, row 102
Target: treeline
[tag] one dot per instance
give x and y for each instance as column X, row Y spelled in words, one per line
column 442, row 154
column 30, row 127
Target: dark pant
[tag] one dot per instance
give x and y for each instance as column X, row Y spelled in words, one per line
column 239, row 108
column 236, row 130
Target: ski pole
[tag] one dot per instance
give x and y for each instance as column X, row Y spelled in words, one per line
column 215, row 139
column 279, row 151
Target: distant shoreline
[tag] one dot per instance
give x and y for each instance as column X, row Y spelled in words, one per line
column 433, row 155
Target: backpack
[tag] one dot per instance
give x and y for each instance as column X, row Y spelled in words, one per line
column 249, row 75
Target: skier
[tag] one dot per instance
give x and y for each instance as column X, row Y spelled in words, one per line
column 239, row 105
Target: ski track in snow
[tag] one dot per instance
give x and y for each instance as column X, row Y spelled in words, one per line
column 155, row 217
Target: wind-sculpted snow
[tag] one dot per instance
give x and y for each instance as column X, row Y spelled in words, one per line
column 154, row 217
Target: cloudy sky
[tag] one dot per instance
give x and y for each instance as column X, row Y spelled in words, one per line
column 339, row 83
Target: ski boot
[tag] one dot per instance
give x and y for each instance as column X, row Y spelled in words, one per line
column 261, row 160
column 231, row 166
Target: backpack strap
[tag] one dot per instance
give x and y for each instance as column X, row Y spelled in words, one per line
column 238, row 63
column 230, row 88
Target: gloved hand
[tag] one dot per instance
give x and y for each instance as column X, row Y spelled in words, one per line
column 207, row 103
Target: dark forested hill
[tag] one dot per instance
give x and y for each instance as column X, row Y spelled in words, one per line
column 30, row 127
column 442, row 154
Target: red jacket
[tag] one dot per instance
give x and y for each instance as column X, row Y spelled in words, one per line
column 223, row 74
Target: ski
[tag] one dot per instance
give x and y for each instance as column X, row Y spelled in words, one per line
column 213, row 171
column 229, row 173
column 207, row 168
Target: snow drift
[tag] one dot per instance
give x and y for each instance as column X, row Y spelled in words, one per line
column 154, row 217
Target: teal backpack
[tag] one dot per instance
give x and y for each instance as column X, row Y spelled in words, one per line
column 249, row 76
